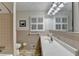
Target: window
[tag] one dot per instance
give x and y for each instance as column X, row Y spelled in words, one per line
column 36, row 23
column 40, row 26
column 40, row 20
column 61, row 23
column 58, row 20
column 58, row 26
column 64, row 26
column 33, row 26
column 64, row 20
column 33, row 20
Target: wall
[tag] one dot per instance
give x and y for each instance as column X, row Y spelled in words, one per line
column 21, row 15
column 70, row 21
column 6, row 33
column 9, row 5
column 49, row 21
column 76, row 17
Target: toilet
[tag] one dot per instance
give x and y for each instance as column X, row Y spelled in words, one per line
column 18, row 45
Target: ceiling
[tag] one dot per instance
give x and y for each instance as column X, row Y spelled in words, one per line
column 67, row 7
column 40, row 6
column 33, row 6
column 9, row 6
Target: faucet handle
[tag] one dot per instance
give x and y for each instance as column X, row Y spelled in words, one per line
column 51, row 39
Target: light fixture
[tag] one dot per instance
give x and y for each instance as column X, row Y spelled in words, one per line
column 56, row 7
column 61, row 5
column 50, row 10
column 54, row 12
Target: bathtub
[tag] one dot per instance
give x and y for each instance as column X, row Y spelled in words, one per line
column 53, row 48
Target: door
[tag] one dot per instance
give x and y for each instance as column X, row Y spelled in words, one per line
column 6, row 33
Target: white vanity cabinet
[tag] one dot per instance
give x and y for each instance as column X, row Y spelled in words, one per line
column 53, row 48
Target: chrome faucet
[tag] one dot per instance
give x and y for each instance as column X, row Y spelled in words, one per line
column 51, row 39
